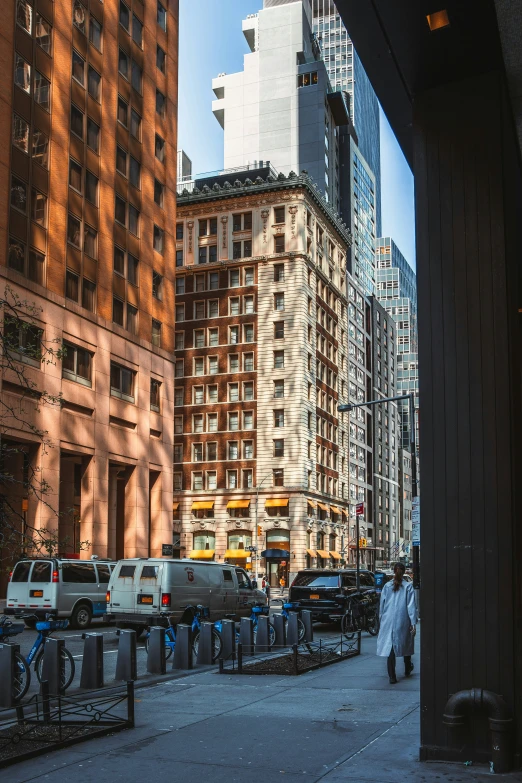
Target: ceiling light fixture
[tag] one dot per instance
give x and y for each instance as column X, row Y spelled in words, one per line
column 438, row 20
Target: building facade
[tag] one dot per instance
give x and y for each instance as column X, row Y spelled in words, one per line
column 88, row 180
column 262, row 356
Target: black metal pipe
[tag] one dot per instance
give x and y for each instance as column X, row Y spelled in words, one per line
column 460, row 705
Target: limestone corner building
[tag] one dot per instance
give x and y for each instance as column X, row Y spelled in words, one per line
column 87, row 178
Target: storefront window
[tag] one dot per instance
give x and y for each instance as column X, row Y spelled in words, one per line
column 277, row 567
column 204, row 541
column 237, row 552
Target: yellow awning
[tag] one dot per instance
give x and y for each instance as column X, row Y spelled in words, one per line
column 237, row 553
column 201, row 504
column 311, row 552
column 175, row 505
column 345, row 513
column 311, row 503
column 335, row 555
column 322, row 505
column 274, row 502
column 323, row 553
column 202, row 554
column 238, row 503
column 335, row 509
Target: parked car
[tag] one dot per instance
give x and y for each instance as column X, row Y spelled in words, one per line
column 317, row 590
column 75, row 589
column 141, row 589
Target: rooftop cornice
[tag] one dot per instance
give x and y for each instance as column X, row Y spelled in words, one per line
column 259, row 186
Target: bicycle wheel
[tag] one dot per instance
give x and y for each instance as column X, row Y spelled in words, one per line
column 372, row 623
column 69, row 667
column 216, row 644
column 348, row 626
column 271, row 634
column 169, row 644
column 300, row 629
column 22, row 678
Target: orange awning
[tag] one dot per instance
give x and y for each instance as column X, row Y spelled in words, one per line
column 311, row 503
column 202, row 554
column 238, row 503
column 175, row 505
column 345, row 513
column 323, row 507
column 323, row 553
column 198, row 505
column 276, row 502
column 335, row 509
column 311, row 552
column 335, row 555
column 237, row 553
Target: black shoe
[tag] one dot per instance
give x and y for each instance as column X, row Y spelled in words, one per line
column 393, row 681
column 408, row 670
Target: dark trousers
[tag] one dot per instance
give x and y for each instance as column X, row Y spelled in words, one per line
column 391, row 663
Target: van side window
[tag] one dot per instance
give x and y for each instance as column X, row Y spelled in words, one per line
column 127, row 570
column 79, row 573
column 103, row 573
column 41, row 572
column 21, row 572
column 149, row 572
column 242, row 579
column 227, row 576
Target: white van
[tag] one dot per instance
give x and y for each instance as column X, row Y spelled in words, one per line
column 75, row 589
column 141, row 589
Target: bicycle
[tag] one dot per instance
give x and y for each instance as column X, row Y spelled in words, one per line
column 45, row 629
column 361, row 614
column 285, row 611
column 170, row 633
column 257, row 611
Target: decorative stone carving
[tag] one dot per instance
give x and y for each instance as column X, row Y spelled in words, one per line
column 239, row 524
column 190, row 226
column 202, row 525
column 293, row 219
column 264, row 216
column 224, row 222
column 277, row 523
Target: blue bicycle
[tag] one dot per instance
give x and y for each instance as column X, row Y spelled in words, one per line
column 193, row 616
column 257, row 611
column 45, row 629
column 286, row 609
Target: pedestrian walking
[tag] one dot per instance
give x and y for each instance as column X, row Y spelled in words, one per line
column 282, row 584
column 267, row 589
column 398, row 619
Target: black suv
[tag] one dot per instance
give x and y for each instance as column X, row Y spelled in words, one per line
column 317, row 590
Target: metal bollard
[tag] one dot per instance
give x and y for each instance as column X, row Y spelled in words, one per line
column 92, row 663
column 126, row 665
column 292, row 631
column 7, row 673
column 183, row 648
column 262, row 635
column 278, row 621
column 306, row 617
column 228, row 639
column 246, row 635
column 156, row 654
column 204, row 656
column 53, row 668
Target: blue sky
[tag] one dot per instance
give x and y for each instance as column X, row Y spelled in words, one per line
column 211, row 42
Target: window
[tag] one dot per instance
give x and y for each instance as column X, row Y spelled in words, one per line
column 91, row 187
column 248, row 391
column 279, row 214
column 121, row 160
column 39, row 208
column 233, row 392
column 199, row 310
column 22, row 74
column 197, row 423
column 213, row 365
column 134, row 220
column 94, row 84
column 197, row 452
column 233, row 421
column 74, row 230
column 159, row 149
column 232, row 479
column 279, row 301
column 178, row 399
column 162, row 17
column 279, row 243
column 179, row 370
column 24, row 339
column 212, row 393
column 135, row 125
column 122, row 112
column 95, row 33
column 213, row 281
column 156, row 333
column 179, row 230
column 124, row 16
column 179, row 258
column 42, row 91
column 158, row 192
column 242, row 222
column 248, row 333
column 120, row 210
column 248, row 362
column 18, row 194
column 161, row 59
column 93, row 135
column 20, row 133
column 233, row 451
column 178, row 481
column 79, row 14
column 248, row 449
column 77, row 364
column 179, row 341
column 75, row 175
column 90, row 242
column 279, row 418
column 279, row 360
column 178, row 451
column 199, row 338
column 207, row 253
column 234, row 335
column 278, row 477
column 279, row 447
column 178, row 422
column 199, row 365
column 24, row 17
column 122, row 382
column 279, row 273
column 123, row 63
column 72, row 285
column 249, row 276
column 198, row 395
column 161, row 103
column 211, row 479
column 197, row 481
column 117, row 311
column 279, row 330
column 212, row 422
column 279, row 388
column 233, row 278
column 180, row 285
column 76, row 121
column 136, row 76
column 233, row 363
column 158, row 240
column 248, row 420
column 135, row 172
column 249, row 305
column 78, row 68
column 234, row 305
column 137, row 31
column 213, row 337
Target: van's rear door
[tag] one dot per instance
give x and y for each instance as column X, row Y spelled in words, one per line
column 18, row 587
column 147, row 581
column 41, row 593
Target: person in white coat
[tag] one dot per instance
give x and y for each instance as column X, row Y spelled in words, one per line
column 398, row 619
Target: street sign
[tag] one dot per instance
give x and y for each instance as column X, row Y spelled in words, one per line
column 167, row 550
column 250, row 548
column 359, row 509
column 415, row 521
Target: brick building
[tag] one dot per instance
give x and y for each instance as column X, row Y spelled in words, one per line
column 262, row 356
column 87, row 201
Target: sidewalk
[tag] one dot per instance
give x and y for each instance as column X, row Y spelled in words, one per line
column 344, row 722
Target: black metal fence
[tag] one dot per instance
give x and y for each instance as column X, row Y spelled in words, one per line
column 45, row 722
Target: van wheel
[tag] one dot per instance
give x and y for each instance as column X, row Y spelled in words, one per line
column 81, row 617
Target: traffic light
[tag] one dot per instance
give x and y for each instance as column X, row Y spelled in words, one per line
column 259, row 531
column 362, row 542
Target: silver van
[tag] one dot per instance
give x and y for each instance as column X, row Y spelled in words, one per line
column 75, row 589
column 141, row 589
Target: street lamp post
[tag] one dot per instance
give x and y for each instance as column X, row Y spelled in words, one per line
column 255, row 531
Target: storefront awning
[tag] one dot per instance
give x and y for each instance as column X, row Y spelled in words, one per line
column 323, row 553
column 198, row 505
column 335, row 509
column 276, row 502
column 311, row 503
column 202, row 554
column 238, row 503
column 237, row 553
column 311, row 552
column 323, row 507
column 275, row 554
column 345, row 513
column 335, row 555
column 175, row 505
